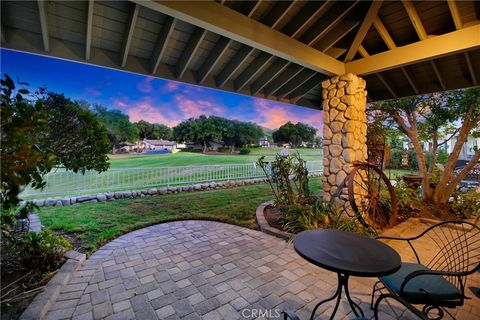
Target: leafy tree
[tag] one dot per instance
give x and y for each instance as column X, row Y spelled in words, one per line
column 118, row 125
column 41, row 134
column 147, row 130
column 294, row 134
column 432, row 118
column 200, row 130
column 233, row 133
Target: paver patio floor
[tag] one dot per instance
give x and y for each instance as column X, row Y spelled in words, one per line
column 204, row 270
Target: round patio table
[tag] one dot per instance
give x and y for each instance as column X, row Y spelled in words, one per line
column 347, row 254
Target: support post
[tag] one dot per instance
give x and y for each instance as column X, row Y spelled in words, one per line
column 344, row 133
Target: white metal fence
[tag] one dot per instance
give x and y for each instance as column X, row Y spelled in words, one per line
column 68, row 183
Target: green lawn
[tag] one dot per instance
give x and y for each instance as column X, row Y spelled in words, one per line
column 91, row 225
column 191, row 158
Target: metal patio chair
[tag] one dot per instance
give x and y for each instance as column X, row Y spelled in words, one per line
column 440, row 282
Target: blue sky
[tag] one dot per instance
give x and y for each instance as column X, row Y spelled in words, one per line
column 147, row 98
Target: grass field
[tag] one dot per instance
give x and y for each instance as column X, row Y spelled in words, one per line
column 91, row 225
column 191, row 158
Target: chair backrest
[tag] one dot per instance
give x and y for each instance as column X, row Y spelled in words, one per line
column 455, row 248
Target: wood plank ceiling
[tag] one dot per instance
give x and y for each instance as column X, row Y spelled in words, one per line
column 132, row 36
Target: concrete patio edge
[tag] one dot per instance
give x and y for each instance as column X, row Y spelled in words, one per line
column 40, row 305
column 265, row 227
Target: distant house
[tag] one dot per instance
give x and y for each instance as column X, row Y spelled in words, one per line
column 263, row 142
column 125, row 147
column 148, row 144
column 212, row 145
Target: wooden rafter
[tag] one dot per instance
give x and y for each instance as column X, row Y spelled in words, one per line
column 385, row 83
column 294, row 83
column 277, row 13
column 288, row 74
column 310, row 11
column 219, row 19
column 43, row 15
column 161, row 44
column 383, row 32
column 335, row 52
column 470, row 69
column 302, row 90
column 365, row 26
column 336, row 35
column 189, row 51
column 266, row 77
column 233, row 65
column 438, row 75
column 327, row 22
column 251, row 71
column 410, row 79
column 127, row 39
column 212, row 59
column 88, row 36
column 415, row 19
column 3, row 34
column 457, row 20
column 363, row 52
column 434, row 47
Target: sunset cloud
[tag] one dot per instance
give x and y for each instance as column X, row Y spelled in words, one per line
column 91, row 91
column 145, row 85
column 272, row 115
column 191, row 108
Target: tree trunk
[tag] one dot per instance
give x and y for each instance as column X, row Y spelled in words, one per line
column 204, row 146
column 422, row 165
column 433, row 160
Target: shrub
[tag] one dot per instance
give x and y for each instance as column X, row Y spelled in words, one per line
column 468, row 203
column 223, row 149
column 408, row 198
column 288, row 178
column 245, row 151
column 43, row 250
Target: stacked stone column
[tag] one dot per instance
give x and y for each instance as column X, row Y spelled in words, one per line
column 344, row 133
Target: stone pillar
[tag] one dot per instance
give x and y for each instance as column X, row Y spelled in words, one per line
column 344, row 133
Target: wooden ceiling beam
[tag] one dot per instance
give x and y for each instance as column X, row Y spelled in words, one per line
column 277, row 13
column 470, row 69
column 252, row 7
column 251, row 71
column 88, row 35
column 219, row 19
column 363, row 52
column 310, row 11
column 410, row 80
column 435, row 47
column 268, row 75
column 383, row 32
column 302, row 90
column 364, row 27
column 335, row 52
column 288, row 74
column 438, row 75
column 457, row 20
column 415, row 19
column 161, row 44
column 212, row 59
column 385, row 83
column 189, row 51
column 233, row 65
column 327, row 22
column 43, row 15
column 294, row 83
column 336, row 35
column 127, row 40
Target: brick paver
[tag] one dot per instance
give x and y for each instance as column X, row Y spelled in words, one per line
column 208, row 270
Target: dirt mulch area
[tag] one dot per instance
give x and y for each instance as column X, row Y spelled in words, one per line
column 18, row 288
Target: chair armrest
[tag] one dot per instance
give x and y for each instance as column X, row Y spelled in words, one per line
column 417, row 273
column 402, row 239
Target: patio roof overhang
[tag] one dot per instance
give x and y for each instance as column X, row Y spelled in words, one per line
column 280, row 50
